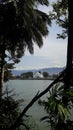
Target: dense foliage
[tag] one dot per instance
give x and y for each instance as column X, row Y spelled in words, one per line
column 20, row 28
column 60, row 15
column 27, row 75
column 9, row 110
column 58, row 115
column 45, row 74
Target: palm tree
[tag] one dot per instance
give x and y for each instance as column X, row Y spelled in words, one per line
column 21, row 25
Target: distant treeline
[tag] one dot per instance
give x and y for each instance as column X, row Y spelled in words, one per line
column 37, row 75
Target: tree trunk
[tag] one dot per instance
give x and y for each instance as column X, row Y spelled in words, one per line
column 68, row 74
column 1, row 75
column 70, row 40
column 70, row 44
column 2, row 63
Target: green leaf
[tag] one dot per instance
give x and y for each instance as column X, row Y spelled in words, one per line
column 63, row 111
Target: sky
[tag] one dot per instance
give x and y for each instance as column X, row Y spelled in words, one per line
column 52, row 54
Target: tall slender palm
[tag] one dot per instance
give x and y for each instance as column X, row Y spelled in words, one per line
column 21, row 25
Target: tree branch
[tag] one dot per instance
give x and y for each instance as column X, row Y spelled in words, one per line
column 36, row 97
column 61, row 20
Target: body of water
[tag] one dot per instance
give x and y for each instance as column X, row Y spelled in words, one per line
column 27, row 89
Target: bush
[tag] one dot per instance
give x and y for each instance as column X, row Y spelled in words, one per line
column 58, row 114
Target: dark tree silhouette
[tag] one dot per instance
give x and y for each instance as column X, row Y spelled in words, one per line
column 20, row 28
column 63, row 14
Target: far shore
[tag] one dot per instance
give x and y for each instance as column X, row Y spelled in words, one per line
column 34, row 79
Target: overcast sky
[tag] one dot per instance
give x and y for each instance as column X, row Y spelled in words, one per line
column 52, row 53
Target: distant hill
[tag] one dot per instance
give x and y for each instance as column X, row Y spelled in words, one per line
column 51, row 71
column 19, row 72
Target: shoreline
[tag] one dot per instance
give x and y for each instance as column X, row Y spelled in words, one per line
column 34, row 79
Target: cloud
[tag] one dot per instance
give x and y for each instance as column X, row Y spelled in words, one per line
column 52, row 54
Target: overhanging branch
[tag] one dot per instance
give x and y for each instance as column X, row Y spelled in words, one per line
column 36, row 97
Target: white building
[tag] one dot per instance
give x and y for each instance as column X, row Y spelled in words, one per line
column 37, row 75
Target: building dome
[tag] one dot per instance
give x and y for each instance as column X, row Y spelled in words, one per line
column 38, row 75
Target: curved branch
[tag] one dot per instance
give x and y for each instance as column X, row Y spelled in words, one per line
column 36, row 97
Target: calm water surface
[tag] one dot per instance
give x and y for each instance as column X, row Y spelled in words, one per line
column 27, row 89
